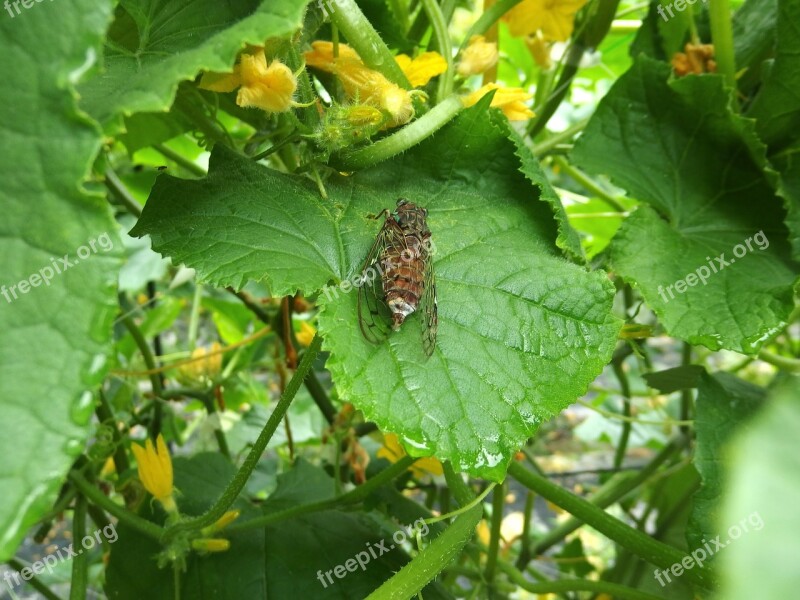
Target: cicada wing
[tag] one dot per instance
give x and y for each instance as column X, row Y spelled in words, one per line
column 374, row 316
column 430, row 310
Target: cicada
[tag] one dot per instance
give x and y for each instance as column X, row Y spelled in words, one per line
column 397, row 276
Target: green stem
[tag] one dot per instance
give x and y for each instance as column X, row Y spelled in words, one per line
column 80, row 563
column 461, row 491
column 211, row 409
column 614, row 489
column 235, row 487
column 545, row 146
column 435, row 16
column 686, row 395
column 194, row 316
column 361, row 35
column 642, row 545
column 34, row 581
column 180, row 160
column 487, row 19
column 563, row 586
column 586, row 182
column 722, row 36
column 431, row 561
column 354, row 496
column 147, row 354
column 619, row 371
column 782, row 362
column 320, row 397
column 114, row 183
column 525, row 540
column 408, row 136
column 125, row 516
column 498, row 503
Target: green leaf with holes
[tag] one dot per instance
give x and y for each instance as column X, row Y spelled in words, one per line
column 59, row 253
column 522, row 330
column 152, row 46
column 708, row 247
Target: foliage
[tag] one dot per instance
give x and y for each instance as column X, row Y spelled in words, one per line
column 613, row 197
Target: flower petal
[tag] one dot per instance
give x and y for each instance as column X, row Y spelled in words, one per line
column 423, row 68
column 220, row 82
column 477, row 57
column 269, row 88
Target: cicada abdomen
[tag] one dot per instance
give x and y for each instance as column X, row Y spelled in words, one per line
column 397, row 277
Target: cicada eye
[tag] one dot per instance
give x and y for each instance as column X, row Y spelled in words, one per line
column 401, row 201
column 425, row 211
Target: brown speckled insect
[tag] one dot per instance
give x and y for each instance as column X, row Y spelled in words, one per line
column 397, row 276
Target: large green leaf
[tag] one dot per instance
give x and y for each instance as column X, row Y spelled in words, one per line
column 522, row 331
column 777, row 106
column 724, row 404
column 152, row 46
column 753, row 38
column 700, row 171
column 53, row 336
column 759, row 519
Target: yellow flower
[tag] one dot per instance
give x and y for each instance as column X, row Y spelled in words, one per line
column 155, row 471
column 555, row 18
column 221, row 82
column 361, row 84
column 365, row 86
column 306, row 334
column 483, row 533
column 509, row 100
column 206, row 364
column 477, row 57
column 423, row 68
column 393, row 451
column 269, row 87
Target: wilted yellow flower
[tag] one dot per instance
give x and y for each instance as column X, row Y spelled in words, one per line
column 509, row 100
column 306, row 334
column 393, row 451
column 423, row 68
column 477, row 57
column 696, row 59
column 268, row 86
column 155, row 471
column 554, row 18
